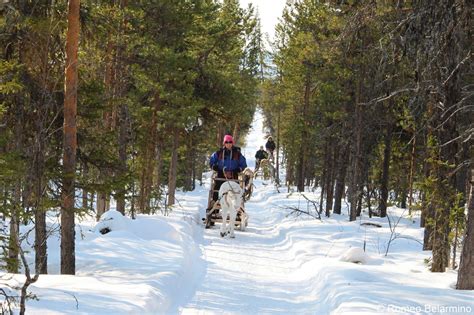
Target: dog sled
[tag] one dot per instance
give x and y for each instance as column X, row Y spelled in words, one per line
column 265, row 170
column 213, row 212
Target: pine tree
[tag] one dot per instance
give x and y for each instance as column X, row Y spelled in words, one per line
column 68, row 259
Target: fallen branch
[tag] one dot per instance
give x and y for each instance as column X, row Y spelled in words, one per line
column 297, row 212
column 371, row 224
column 314, row 205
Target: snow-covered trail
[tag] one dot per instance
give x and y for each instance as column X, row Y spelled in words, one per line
column 252, row 273
column 255, row 272
column 285, row 265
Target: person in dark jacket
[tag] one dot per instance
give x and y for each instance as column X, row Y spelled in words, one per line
column 228, row 162
column 260, row 155
column 270, row 146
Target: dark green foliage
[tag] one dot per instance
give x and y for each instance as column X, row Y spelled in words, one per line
column 146, row 70
column 386, row 85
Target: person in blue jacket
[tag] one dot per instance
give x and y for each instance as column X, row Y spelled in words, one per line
column 228, row 162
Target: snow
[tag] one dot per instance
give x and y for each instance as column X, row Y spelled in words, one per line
column 356, row 255
column 281, row 264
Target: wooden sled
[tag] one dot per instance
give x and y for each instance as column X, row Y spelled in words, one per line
column 213, row 213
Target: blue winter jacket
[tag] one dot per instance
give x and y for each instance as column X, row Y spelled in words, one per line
column 232, row 161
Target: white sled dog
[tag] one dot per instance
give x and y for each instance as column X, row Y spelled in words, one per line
column 230, row 196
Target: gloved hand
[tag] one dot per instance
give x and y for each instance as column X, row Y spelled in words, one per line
column 215, row 167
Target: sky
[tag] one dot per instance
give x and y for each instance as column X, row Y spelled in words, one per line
column 269, row 11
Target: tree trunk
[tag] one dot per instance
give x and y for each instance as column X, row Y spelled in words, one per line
column 323, row 189
column 123, row 116
column 445, row 185
column 441, row 231
column 324, row 179
column 132, row 202
column 368, row 198
column 193, row 170
column 14, row 240
column 359, row 203
column 190, row 152
column 340, row 178
column 68, row 259
column 14, row 237
column 122, row 144
column 158, row 166
column 4, row 203
column 466, row 266
column 290, row 178
column 108, row 115
column 429, row 217
column 300, row 168
column 412, row 171
column 463, row 188
column 220, row 133
column 277, row 175
column 172, row 178
column 145, row 185
column 41, row 255
column 403, row 199
column 426, row 212
column 355, row 185
column 300, row 171
column 330, row 178
column 91, row 200
column 149, row 155
column 85, row 198
column 385, row 172
column 236, row 132
column 85, row 201
column 101, row 204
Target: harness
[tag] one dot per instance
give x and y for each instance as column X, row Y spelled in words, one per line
column 231, row 189
column 235, row 154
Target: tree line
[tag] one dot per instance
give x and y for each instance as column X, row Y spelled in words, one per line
column 377, row 104
column 119, row 100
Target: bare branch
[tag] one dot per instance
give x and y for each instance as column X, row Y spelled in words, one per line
column 468, row 56
column 393, row 235
column 391, row 95
column 297, row 211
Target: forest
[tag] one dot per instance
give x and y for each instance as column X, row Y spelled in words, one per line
column 157, row 85
column 372, row 102
column 369, row 101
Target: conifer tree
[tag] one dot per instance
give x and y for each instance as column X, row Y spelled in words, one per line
column 68, row 259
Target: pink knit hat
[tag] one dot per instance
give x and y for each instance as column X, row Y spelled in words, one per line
column 228, row 138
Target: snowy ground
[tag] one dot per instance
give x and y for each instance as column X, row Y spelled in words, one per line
column 280, row 265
